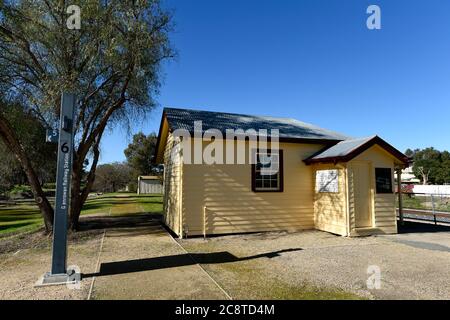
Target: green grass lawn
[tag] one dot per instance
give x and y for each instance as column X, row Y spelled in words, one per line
column 26, row 217
column 19, row 218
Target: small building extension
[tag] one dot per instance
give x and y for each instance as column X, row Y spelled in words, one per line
column 149, row 185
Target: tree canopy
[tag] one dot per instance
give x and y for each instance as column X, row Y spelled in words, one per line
column 112, row 177
column 140, row 153
column 113, row 65
column 431, row 166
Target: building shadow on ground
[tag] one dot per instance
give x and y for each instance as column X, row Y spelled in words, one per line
column 418, row 227
column 180, row 260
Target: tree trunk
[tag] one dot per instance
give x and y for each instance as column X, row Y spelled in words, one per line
column 78, row 196
column 12, row 142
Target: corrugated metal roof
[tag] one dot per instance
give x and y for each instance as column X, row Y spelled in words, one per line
column 288, row 128
column 342, row 148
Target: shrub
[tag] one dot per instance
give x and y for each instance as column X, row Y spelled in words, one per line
column 21, row 191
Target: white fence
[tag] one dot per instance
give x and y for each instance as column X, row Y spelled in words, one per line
column 431, row 189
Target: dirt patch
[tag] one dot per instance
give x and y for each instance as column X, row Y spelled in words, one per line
column 27, row 256
column 22, row 241
column 41, row 240
column 21, row 269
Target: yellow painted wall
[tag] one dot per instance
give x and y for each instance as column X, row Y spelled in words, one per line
column 383, row 205
column 330, row 209
column 233, row 207
column 172, row 185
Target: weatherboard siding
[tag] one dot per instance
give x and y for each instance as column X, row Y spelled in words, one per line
column 350, row 198
column 384, row 211
column 218, row 199
column 225, row 191
column 330, row 209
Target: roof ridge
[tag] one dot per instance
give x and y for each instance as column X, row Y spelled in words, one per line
column 360, row 138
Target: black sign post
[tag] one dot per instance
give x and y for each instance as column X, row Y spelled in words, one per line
column 59, row 273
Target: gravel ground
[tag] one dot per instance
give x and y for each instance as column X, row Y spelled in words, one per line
column 412, row 265
column 415, row 215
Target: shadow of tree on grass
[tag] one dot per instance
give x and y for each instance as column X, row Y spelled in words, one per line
column 131, row 220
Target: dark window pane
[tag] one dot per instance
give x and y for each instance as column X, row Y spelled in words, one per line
column 274, row 177
column 274, row 184
column 266, row 172
column 383, row 179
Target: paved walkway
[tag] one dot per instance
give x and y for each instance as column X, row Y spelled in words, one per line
column 139, row 260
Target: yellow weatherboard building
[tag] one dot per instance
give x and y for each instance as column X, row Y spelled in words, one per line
column 325, row 181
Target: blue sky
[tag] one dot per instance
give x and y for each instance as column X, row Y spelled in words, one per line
column 315, row 61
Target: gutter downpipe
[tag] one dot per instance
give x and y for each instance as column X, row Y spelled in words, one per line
column 399, row 191
column 204, row 222
column 138, row 185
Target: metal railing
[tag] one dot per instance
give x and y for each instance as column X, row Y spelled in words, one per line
column 425, row 207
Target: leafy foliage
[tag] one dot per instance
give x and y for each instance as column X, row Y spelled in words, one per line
column 32, row 136
column 113, row 65
column 140, row 153
column 112, row 177
column 430, row 165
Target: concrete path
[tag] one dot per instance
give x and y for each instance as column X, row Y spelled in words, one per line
column 139, row 260
column 423, row 236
